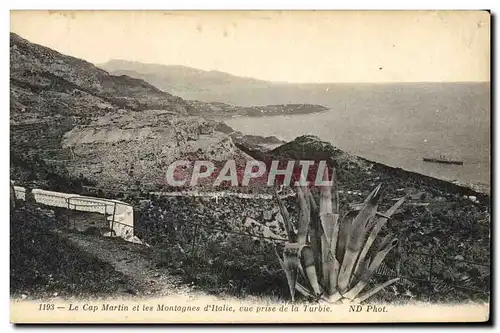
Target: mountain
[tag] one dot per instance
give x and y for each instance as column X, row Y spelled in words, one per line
column 51, row 92
column 214, row 86
column 187, row 82
column 44, row 82
column 69, row 115
column 196, row 84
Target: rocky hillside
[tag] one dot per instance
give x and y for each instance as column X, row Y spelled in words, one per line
column 51, row 92
column 126, row 148
column 357, row 172
column 119, row 130
column 44, row 81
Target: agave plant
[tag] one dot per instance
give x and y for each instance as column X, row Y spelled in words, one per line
column 335, row 257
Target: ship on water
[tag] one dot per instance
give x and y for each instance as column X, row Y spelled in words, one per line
column 443, row 160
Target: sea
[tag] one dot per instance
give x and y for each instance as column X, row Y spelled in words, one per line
column 399, row 127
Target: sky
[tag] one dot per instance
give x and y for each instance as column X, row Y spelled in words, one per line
column 284, row 46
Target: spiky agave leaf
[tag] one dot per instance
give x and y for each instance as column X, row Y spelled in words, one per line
column 396, row 206
column 290, row 264
column 315, row 237
column 335, row 193
column 345, row 225
column 329, row 240
column 333, row 297
column 360, row 270
column 374, row 290
column 292, row 237
column 304, row 214
column 380, row 223
column 383, row 242
column 330, row 264
column 303, row 290
column 330, row 227
column 324, row 249
column 325, row 199
column 307, row 261
column 356, row 237
column 377, row 260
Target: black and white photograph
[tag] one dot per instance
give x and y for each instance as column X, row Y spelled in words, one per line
column 250, row 166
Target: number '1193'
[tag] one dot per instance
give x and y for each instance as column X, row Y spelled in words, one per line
column 46, row 307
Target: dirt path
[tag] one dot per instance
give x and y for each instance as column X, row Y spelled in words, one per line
column 136, row 262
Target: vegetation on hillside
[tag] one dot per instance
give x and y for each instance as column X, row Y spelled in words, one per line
column 44, row 264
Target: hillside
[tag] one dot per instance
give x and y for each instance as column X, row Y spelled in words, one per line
column 196, row 84
column 51, row 92
column 71, row 118
column 48, row 82
column 123, row 148
column 207, row 90
column 448, row 222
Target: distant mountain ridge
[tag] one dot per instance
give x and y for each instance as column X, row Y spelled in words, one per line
column 187, row 82
column 43, row 79
column 116, row 65
column 214, row 86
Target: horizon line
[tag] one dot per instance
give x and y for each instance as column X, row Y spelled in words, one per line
column 279, row 82
column 250, row 77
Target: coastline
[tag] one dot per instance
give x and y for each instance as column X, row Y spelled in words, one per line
column 220, row 111
column 442, row 183
column 473, row 189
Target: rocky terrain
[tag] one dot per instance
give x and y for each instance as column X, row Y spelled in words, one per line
column 227, row 241
column 126, row 148
column 51, row 92
column 252, row 142
column 44, row 81
column 119, row 129
column 127, row 130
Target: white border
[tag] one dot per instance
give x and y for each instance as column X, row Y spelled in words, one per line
column 185, row 4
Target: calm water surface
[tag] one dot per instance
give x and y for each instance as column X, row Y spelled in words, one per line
column 396, row 141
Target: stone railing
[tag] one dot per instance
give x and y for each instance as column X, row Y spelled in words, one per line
column 119, row 214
